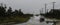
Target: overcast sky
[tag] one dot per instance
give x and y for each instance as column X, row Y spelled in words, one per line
column 30, row 6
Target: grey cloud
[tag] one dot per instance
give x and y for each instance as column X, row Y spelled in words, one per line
column 29, row 5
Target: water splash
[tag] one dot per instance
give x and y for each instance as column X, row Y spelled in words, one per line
column 35, row 21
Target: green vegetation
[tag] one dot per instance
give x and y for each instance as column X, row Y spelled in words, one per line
column 54, row 14
column 16, row 16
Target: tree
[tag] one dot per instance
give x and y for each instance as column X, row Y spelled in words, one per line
column 20, row 12
column 2, row 10
column 9, row 11
column 52, row 14
column 15, row 12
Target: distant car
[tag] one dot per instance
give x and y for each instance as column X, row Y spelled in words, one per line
column 42, row 19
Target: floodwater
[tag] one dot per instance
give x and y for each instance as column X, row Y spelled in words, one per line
column 35, row 21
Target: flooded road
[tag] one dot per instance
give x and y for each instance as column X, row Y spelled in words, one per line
column 35, row 21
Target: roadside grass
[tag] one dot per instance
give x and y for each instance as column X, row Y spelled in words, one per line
column 16, row 19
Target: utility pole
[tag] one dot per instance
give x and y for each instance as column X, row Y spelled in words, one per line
column 53, row 12
column 45, row 7
column 53, row 5
column 42, row 10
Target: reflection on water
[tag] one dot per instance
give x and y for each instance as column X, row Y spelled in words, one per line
column 35, row 21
